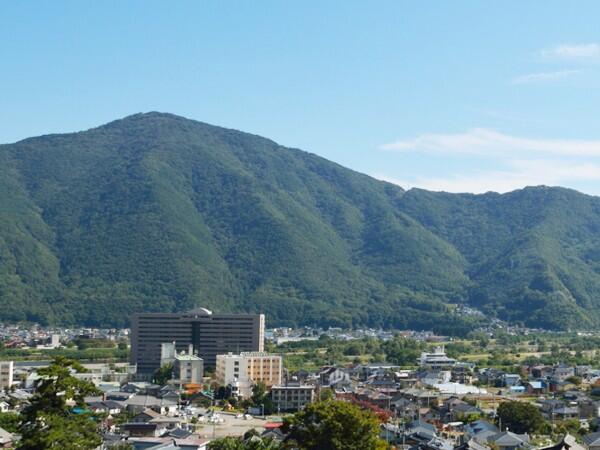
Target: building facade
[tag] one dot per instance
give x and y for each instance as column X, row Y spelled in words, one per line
column 292, row 397
column 253, row 367
column 210, row 334
column 6, row 374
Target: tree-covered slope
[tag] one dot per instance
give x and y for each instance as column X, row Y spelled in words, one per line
column 533, row 255
column 157, row 213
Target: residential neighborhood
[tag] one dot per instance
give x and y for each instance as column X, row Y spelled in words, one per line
column 430, row 402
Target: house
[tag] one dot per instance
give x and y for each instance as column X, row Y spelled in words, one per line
column 566, row 412
column 330, row 376
column 419, row 433
column 510, row 379
column 508, row 440
column 168, row 443
column 111, row 407
column 139, row 403
column 592, row 441
column 562, row 372
column 149, row 423
column 462, row 374
column 118, row 396
column 589, row 408
column 568, row 442
column 480, row 430
column 145, row 416
column 536, row 387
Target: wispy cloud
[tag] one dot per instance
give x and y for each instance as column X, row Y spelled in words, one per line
column 516, row 175
column 544, row 77
column 579, row 52
column 483, row 141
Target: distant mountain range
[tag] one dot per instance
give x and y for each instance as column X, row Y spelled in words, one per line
column 155, row 212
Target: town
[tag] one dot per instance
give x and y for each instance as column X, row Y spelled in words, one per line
column 193, row 379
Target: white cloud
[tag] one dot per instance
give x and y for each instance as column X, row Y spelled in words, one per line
column 483, row 141
column 542, row 77
column 517, row 175
column 580, row 52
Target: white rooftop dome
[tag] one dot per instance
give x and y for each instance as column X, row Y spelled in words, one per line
column 201, row 311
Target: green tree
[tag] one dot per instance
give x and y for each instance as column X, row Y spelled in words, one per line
column 261, row 398
column 254, row 442
column 226, row 443
column 50, row 422
column 520, row 417
column 10, row 421
column 334, row 425
column 163, row 374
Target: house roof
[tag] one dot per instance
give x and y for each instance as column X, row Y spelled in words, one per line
column 509, row 439
column 568, row 442
column 5, row 436
column 591, row 439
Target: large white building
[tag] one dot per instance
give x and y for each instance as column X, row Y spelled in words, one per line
column 6, row 374
column 247, row 368
column 436, row 359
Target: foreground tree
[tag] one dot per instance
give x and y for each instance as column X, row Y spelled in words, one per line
column 56, row 417
column 520, row 417
column 234, row 443
column 334, row 425
column 262, row 399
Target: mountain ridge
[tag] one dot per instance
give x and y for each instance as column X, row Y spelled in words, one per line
column 158, row 212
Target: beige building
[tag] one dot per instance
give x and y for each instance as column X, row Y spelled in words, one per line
column 6, row 374
column 188, row 368
column 247, row 368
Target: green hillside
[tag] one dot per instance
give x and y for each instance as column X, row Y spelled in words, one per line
column 159, row 213
column 533, row 255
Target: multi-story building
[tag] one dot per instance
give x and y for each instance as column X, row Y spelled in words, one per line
column 253, row 367
column 188, row 368
column 292, row 397
column 6, row 374
column 436, row 359
column 210, row 334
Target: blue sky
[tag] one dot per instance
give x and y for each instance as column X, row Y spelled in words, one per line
column 463, row 96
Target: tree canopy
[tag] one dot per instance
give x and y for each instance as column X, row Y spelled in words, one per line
column 334, row 425
column 520, row 417
column 56, row 417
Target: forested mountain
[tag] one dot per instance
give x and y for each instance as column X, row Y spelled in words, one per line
column 155, row 212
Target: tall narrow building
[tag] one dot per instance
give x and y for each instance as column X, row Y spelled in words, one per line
column 209, row 334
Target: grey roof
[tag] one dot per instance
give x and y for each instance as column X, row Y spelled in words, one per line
column 180, row 433
column 5, row 436
column 479, row 426
column 148, row 400
column 509, row 439
column 591, row 439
